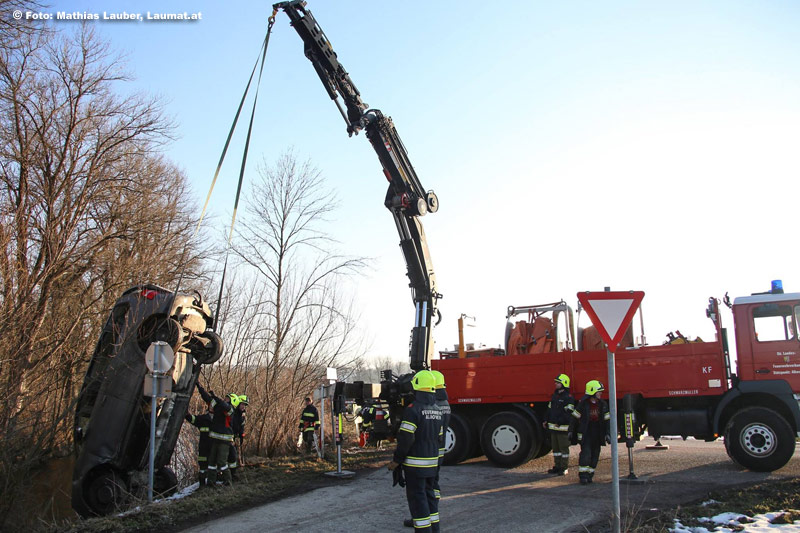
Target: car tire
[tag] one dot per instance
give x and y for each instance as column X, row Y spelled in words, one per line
column 159, row 328
column 759, row 439
column 508, row 439
column 460, row 440
column 211, row 352
column 165, row 482
column 106, row 491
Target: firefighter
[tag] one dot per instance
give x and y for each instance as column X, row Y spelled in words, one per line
column 444, row 405
column 237, row 425
column 417, row 452
column 309, row 423
column 590, row 427
column 220, row 434
column 203, row 423
column 557, row 420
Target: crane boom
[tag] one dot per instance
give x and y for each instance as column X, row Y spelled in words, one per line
column 405, row 198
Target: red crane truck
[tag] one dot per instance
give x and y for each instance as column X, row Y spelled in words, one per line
column 681, row 388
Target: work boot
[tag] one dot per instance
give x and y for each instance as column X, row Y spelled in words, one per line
column 562, row 472
column 584, row 481
column 408, row 522
column 553, row 470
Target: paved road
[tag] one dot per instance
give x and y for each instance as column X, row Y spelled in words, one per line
column 480, row 497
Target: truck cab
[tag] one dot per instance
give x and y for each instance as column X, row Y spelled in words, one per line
column 767, row 344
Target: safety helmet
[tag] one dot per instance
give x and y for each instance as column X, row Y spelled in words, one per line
column 593, row 387
column 234, row 400
column 563, row 379
column 243, row 399
column 424, row 381
column 438, row 379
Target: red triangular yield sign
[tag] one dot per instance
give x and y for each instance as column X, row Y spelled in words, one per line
column 611, row 312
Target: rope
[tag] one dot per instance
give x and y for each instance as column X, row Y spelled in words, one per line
column 260, row 58
column 241, row 169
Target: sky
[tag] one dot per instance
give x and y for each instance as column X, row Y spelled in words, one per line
column 573, row 145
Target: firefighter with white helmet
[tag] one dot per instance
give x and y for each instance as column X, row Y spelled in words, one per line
column 591, row 428
column 417, row 452
column 557, row 420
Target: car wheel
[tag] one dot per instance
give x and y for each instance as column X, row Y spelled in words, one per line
column 759, row 439
column 165, row 482
column 106, row 492
column 460, row 440
column 508, row 440
column 159, row 328
column 211, row 351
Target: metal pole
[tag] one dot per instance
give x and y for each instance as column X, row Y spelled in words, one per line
column 153, row 402
column 339, row 447
column 612, row 399
column 322, row 421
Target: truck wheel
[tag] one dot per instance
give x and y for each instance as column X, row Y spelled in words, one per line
column 759, row 439
column 460, row 441
column 545, row 447
column 507, row 439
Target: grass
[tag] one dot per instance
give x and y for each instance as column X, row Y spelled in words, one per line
column 260, row 481
column 783, row 495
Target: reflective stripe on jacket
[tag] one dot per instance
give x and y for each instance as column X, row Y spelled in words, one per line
column 419, row 435
column 559, row 410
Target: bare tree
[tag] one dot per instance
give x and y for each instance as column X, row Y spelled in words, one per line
column 286, row 318
column 87, row 207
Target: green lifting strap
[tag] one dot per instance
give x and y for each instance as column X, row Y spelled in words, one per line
column 263, row 57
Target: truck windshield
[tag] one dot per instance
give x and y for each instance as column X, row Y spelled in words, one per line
column 775, row 322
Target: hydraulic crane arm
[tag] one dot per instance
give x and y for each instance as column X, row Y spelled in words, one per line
column 406, row 198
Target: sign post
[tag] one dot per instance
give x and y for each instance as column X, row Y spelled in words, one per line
column 159, row 359
column 611, row 313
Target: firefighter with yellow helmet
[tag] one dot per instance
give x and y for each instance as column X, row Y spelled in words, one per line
column 557, row 420
column 591, row 428
column 417, row 452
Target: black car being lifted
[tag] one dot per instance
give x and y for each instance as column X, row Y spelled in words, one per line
column 112, row 417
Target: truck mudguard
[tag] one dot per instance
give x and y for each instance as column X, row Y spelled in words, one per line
column 776, row 388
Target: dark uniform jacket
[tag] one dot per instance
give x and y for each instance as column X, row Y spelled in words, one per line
column 223, row 412
column 203, row 423
column 444, row 405
column 309, row 418
column 580, row 426
column 419, row 436
column 559, row 410
column 237, row 423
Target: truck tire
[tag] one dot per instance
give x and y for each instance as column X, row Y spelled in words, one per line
column 545, row 447
column 508, row 440
column 759, row 439
column 460, row 441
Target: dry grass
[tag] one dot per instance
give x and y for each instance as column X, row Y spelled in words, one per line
column 261, row 481
column 758, row 499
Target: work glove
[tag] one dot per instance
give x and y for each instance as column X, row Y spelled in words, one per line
column 397, row 477
column 188, row 418
column 392, row 466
